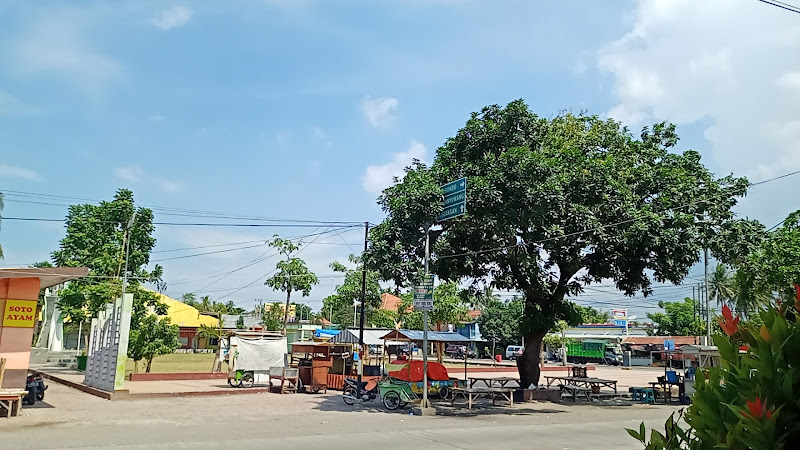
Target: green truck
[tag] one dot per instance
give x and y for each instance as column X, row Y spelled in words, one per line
column 594, row 351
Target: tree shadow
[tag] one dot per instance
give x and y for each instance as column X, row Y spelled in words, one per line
column 334, row 403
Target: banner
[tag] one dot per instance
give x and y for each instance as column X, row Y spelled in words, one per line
column 620, row 317
column 19, row 313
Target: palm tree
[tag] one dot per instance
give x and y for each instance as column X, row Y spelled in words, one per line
column 206, row 305
column 747, row 296
column 189, row 299
column 1, row 208
column 210, row 332
column 720, row 286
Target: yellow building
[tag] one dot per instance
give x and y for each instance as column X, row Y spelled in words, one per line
column 189, row 320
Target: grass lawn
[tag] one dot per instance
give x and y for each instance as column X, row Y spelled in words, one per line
column 178, row 362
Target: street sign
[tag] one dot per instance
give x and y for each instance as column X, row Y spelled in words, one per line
column 620, row 317
column 423, row 295
column 669, row 345
column 455, row 200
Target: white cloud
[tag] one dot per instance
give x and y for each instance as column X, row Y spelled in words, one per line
column 55, row 44
column 686, row 61
column 174, row 17
column 135, row 174
column 320, row 136
column 10, row 104
column 170, row 185
column 379, row 177
column 379, row 112
column 157, row 118
column 7, row 171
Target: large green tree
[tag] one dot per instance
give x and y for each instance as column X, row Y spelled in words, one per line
column 499, row 322
column 555, row 204
column 153, row 337
column 338, row 308
column 292, row 274
column 678, row 319
column 591, row 315
column 101, row 237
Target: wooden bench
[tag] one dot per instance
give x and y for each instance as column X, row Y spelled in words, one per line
column 472, row 393
column 11, row 401
column 575, row 390
column 288, row 376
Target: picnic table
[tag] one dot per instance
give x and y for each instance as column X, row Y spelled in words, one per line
column 582, row 381
column 471, row 393
column 666, row 388
column 10, row 401
column 492, row 381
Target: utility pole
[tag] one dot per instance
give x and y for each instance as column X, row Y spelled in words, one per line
column 126, row 242
column 425, row 403
column 363, row 302
column 708, row 303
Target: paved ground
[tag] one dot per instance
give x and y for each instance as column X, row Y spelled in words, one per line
column 637, row 376
column 71, row 419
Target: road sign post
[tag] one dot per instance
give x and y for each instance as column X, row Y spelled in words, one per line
column 455, row 204
column 455, row 200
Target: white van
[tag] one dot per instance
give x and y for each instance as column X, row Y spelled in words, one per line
column 514, row 351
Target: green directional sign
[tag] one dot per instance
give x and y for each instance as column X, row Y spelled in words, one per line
column 423, row 295
column 455, row 200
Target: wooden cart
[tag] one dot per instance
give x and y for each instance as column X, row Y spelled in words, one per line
column 313, row 360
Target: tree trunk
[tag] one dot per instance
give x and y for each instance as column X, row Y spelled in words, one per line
column 528, row 363
column 217, row 367
column 149, row 363
column 286, row 311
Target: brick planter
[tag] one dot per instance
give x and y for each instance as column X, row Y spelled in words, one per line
column 548, row 395
column 178, row 376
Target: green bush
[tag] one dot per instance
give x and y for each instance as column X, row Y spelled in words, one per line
column 751, row 400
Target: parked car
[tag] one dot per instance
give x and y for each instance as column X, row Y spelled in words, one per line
column 459, row 351
column 514, row 351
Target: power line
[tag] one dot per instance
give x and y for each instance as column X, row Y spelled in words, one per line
column 201, row 224
column 208, row 253
column 207, row 246
column 167, row 210
column 782, row 5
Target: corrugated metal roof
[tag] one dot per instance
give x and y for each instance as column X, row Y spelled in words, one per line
column 433, row 336
column 372, row 336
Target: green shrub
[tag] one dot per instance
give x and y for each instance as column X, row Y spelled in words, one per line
column 751, row 400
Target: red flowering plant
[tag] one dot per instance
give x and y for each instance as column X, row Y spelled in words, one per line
column 750, row 401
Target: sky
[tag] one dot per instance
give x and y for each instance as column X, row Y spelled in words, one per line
column 306, row 109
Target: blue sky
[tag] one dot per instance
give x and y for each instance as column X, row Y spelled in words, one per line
column 305, row 109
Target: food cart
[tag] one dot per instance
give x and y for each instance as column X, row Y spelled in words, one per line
column 313, row 360
column 250, row 356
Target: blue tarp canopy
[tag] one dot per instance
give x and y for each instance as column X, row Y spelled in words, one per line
column 433, row 336
column 320, row 332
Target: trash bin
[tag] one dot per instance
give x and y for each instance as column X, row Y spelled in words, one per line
column 81, row 362
column 498, row 358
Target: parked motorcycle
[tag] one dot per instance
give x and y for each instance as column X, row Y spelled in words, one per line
column 368, row 391
column 35, row 387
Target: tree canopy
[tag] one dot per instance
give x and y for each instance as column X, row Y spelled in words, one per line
column 338, row 307
column 555, row 204
column 292, row 273
column 499, row 321
column 678, row 319
column 153, row 337
column 97, row 236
